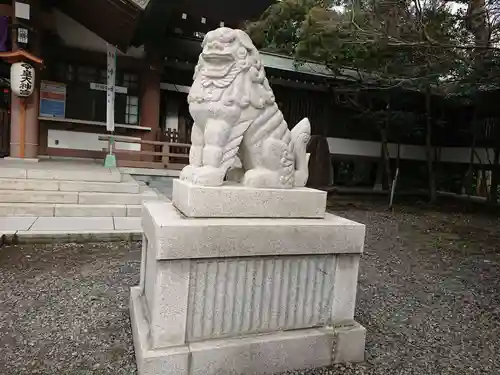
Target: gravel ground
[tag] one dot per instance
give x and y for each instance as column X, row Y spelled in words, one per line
column 429, row 296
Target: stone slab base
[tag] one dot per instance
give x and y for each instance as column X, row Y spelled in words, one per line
column 177, row 237
column 27, row 160
column 233, row 200
column 256, row 354
column 150, row 172
column 48, row 237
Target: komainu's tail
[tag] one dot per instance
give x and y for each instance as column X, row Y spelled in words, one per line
column 301, row 133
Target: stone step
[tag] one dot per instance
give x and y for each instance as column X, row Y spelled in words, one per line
column 39, row 198
column 27, row 196
column 101, row 187
column 24, row 184
column 101, row 175
column 68, row 210
column 69, row 175
column 97, row 210
column 69, row 186
column 109, row 198
column 27, row 209
column 94, row 210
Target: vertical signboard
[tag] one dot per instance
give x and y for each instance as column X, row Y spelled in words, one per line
column 52, row 99
column 110, row 88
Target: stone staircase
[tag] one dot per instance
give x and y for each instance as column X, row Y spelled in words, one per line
column 67, row 192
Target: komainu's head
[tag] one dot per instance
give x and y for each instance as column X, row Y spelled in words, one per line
column 230, row 61
column 224, row 46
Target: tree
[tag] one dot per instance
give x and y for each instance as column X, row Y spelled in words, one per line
column 393, row 41
column 387, row 43
column 482, row 20
column 481, row 28
column 423, row 45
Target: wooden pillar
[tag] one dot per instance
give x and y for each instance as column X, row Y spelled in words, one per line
column 32, row 122
column 150, row 101
column 31, row 110
column 15, row 106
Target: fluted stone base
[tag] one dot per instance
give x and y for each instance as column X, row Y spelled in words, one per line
column 254, row 354
column 245, row 296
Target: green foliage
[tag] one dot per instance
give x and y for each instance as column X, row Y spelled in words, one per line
column 278, row 28
column 418, row 45
column 396, row 42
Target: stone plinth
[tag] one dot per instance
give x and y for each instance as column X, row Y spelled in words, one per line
column 245, row 295
column 234, row 201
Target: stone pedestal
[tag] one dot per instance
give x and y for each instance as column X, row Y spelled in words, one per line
column 238, row 201
column 245, row 295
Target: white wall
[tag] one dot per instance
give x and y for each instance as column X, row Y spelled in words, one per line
column 84, row 141
column 462, row 155
column 352, row 147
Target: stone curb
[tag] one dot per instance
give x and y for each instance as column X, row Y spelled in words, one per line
column 46, row 237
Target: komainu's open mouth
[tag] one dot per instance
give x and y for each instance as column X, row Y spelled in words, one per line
column 217, row 57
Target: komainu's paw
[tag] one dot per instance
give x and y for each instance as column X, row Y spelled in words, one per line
column 188, row 172
column 209, row 176
column 266, row 178
column 235, row 174
column 300, row 179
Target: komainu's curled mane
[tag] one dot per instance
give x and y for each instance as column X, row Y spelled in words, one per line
column 236, row 116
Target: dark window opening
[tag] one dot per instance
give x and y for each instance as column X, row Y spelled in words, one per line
column 86, row 96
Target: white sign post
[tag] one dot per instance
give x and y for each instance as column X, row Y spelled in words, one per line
column 110, row 104
column 110, row 160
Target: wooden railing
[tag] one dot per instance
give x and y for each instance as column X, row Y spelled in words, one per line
column 174, row 136
column 165, row 155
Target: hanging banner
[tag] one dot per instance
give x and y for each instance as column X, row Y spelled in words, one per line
column 52, row 99
column 110, row 96
column 22, row 79
column 4, row 33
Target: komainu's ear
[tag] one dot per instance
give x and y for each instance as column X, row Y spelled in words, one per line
column 245, row 40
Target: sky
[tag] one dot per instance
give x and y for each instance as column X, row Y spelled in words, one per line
column 454, row 6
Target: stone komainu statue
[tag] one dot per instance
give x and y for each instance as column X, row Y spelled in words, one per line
column 236, row 117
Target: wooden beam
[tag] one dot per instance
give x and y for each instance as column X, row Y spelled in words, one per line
column 113, row 20
column 6, row 10
column 77, row 55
